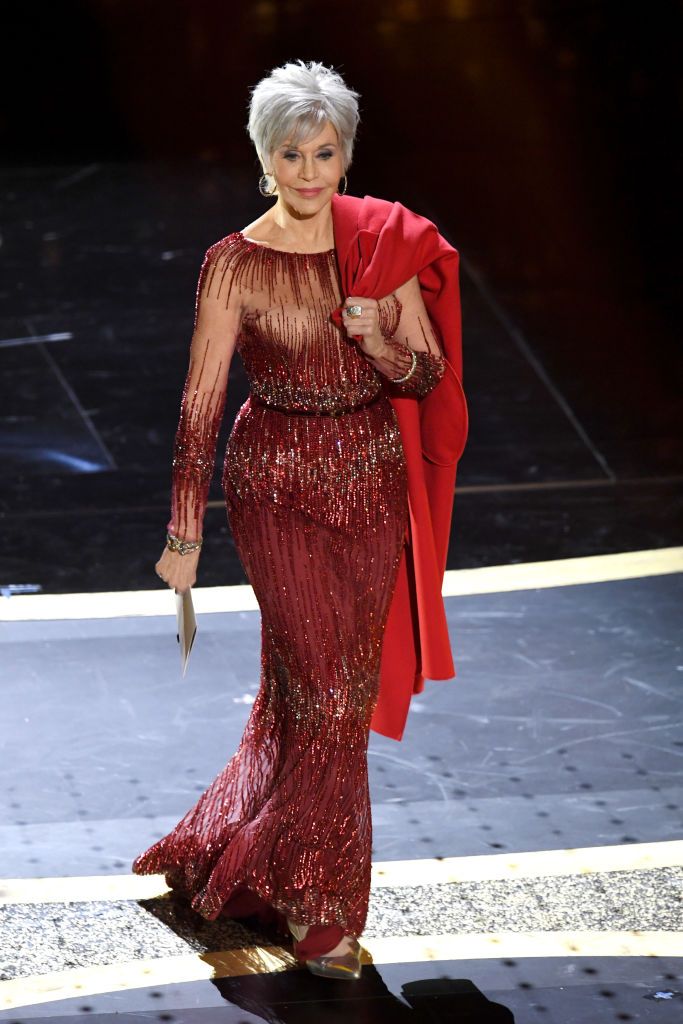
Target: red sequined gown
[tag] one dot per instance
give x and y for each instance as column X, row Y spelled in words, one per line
column 317, row 506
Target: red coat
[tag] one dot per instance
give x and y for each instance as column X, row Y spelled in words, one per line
column 380, row 245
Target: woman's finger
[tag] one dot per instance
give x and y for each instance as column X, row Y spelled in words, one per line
column 360, row 300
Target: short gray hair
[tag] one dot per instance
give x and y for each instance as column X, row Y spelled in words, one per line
column 293, row 103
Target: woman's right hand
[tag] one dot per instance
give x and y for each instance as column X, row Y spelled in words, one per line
column 178, row 571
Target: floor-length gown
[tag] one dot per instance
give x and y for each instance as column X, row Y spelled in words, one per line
column 315, row 486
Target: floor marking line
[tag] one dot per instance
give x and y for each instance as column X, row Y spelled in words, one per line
column 525, row 347
column 80, row 982
column 563, row 572
column 480, row 946
column 518, row 337
column 73, row 398
column 87, row 981
column 530, row 864
column 560, row 572
column 385, row 874
column 536, row 486
column 36, row 339
column 464, row 490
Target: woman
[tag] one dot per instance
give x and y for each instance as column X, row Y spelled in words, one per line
column 316, row 489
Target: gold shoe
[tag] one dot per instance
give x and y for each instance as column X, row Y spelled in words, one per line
column 346, row 965
column 341, row 965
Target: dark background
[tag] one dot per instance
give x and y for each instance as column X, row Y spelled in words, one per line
column 542, row 138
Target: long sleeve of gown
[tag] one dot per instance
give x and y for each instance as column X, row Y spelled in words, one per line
column 406, row 328
column 218, row 313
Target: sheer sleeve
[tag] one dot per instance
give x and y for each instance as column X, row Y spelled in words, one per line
column 218, row 315
column 407, row 329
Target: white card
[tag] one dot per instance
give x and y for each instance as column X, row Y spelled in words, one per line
column 186, row 625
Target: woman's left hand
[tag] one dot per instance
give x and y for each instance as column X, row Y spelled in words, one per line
column 366, row 325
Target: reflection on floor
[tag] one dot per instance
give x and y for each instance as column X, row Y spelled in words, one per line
column 528, row 850
column 612, row 901
column 94, row 360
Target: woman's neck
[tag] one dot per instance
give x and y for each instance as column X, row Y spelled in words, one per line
column 293, row 229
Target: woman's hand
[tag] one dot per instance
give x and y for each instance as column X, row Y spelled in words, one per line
column 372, row 342
column 178, row 571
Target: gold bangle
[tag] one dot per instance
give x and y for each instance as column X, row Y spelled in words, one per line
column 401, row 380
column 183, row 547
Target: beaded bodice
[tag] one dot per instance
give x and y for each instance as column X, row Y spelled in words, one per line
column 275, row 308
column 293, row 353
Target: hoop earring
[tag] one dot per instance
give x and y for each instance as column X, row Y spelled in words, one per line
column 261, row 185
column 345, row 184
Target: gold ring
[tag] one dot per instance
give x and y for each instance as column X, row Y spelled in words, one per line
column 354, row 310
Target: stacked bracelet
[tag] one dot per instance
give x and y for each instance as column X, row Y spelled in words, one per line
column 183, row 547
column 401, row 380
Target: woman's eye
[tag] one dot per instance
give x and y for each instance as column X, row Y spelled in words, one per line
column 292, row 156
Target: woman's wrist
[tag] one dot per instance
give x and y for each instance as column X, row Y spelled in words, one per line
column 183, row 547
column 395, row 360
column 377, row 348
column 406, row 376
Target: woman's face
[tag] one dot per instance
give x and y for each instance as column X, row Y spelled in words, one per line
column 315, row 165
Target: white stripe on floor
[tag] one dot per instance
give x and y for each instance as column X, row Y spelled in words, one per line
column 385, row 874
column 560, row 572
column 88, row 981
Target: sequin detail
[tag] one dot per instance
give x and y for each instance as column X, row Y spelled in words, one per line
column 317, row 507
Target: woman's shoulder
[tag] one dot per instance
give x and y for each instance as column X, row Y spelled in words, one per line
column 226, row 253
column 221, row 264
column 226, row 245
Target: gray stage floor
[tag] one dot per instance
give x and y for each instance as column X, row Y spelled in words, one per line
column 562, row 730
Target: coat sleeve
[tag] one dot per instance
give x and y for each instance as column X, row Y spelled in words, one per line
column 218, row 315
column 407, row 329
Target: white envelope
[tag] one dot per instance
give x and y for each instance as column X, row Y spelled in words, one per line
column 186, row 625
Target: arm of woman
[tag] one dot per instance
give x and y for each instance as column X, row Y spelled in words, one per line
column 218, row 315
column 410, row 343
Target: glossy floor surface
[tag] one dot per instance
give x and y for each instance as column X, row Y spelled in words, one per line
column 528, row 834
column 94, row 360
column 527, row 841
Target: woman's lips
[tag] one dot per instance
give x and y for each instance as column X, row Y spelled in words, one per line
column 309, row 191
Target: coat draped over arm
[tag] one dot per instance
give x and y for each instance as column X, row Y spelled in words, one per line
column 380, row 245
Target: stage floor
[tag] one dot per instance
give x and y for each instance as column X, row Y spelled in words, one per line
column 528, row 847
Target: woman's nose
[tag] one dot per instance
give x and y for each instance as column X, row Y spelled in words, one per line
column 308, row 172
